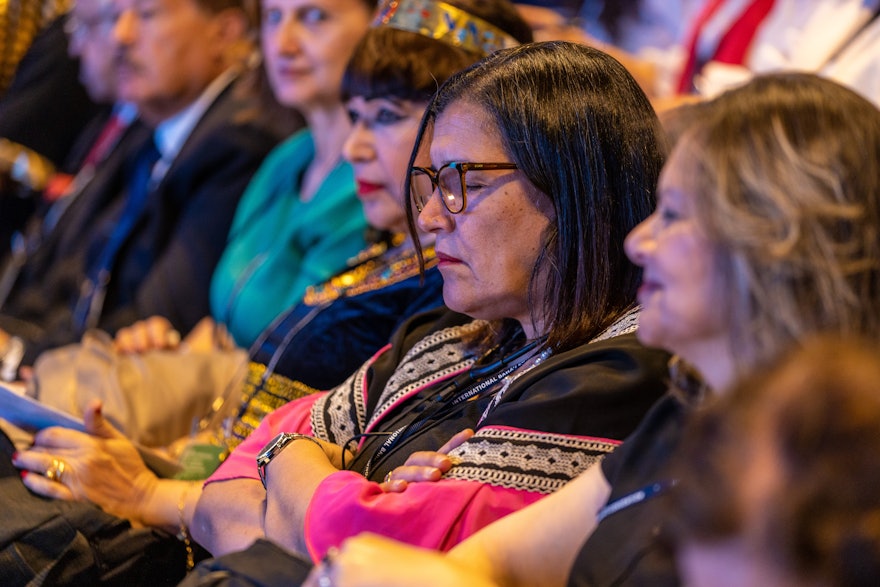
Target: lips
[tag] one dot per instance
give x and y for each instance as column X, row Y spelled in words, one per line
column 647, row 288
column 366, row 188
column 444, row 260
column 291, row 72
column 124, row 65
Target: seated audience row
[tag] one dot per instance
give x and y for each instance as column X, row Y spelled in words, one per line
column 765, row 233
column 143, row 235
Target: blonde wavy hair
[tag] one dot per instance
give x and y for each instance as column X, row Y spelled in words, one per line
column 787, row 172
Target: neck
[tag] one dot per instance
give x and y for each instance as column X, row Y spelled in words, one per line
column 532, row 331
column 330, row 126
column 714, row 361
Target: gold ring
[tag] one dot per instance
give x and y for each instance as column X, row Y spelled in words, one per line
column 55, row 471
column 388, row 477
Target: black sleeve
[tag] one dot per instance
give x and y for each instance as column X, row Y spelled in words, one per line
column 612, row 384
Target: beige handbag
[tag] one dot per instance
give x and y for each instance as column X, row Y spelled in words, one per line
column 153, row 397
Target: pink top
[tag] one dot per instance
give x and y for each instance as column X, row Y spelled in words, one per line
column 554, row 422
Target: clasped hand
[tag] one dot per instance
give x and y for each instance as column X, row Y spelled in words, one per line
column 424, row 465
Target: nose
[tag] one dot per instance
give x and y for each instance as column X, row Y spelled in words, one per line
column 640, row 242
column 287, row 39
column 359, row 145
column 434, row 217
column 124, row 29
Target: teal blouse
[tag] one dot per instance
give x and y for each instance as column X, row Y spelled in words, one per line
column 279, row 245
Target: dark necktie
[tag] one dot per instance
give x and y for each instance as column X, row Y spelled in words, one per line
column 94, row 288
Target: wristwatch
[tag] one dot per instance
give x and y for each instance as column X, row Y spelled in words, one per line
column 275, row 446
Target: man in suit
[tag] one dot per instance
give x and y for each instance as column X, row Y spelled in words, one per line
column 142, row 238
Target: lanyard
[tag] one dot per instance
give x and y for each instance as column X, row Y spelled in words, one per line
column 484, row 378
column 631, row 499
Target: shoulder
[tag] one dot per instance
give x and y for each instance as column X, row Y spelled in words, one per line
column 419, row 336
column 600, row 389
column 299, row 144
column 605, row 366
column 418, row 328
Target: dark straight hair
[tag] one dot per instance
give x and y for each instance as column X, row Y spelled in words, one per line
column 584, row 134
column 392, row 63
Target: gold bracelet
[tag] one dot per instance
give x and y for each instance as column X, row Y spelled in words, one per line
column 183, row 534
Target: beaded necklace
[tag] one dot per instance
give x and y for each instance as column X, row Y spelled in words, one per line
column 372, row 270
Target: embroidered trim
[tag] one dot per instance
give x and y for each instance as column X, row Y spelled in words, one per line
column 376, row 267
column 336, row 419
column 435, row 357
column 627, row 323
column 333, row 417
column 444, row 22
column 536, row 462
column 262, row 400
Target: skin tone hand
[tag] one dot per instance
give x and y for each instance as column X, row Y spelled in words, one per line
column 104, row 467
column 425, row 465
column 157, row 333
column 373, row 561
column 100, row 466
column 154, row 333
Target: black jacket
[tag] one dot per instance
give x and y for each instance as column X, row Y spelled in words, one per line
column 165, row 265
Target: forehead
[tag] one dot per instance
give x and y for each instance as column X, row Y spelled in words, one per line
column 328, row 5
column 92, row 6
column 466, row 132
column 170, row 5
column 677, row 183
column 360, row 103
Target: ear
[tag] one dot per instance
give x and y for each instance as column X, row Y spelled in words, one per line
column 234, row 24
column 233, row 35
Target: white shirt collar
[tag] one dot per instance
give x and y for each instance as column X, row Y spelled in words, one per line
column 171, row 134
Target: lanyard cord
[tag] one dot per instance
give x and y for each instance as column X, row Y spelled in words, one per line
column 645, row 493
column 277, row 353
column 479, row 382
column 264, row 336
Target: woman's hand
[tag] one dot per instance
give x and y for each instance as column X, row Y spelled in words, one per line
column 157, row 333
column 101, row 466
column 373, row 561
column 424, row 465
column 154, row 333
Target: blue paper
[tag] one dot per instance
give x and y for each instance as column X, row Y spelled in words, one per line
column 29, row 414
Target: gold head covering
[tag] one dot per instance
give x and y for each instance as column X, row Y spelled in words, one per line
column 444, row 22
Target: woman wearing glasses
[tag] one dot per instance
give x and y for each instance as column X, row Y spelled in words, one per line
column 539, row 355
column 765, row 234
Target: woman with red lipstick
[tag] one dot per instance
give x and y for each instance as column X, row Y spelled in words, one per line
column 299, row 221
column 517, row 240
column 765, row 233
column 340, row 322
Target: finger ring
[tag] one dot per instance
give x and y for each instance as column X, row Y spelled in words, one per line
column 55, row 471
column 324, row 578
column 388, row 477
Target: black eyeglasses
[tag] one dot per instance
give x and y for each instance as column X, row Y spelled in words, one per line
column 449, row 179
